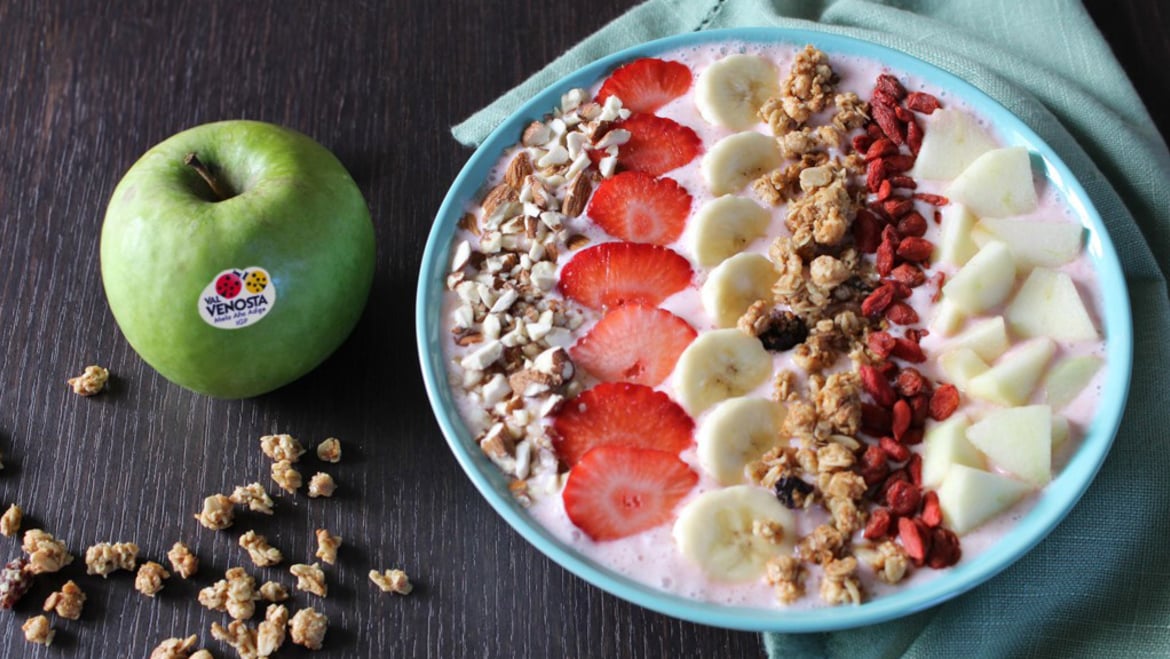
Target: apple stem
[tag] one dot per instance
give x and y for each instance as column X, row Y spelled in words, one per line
column 217, row 188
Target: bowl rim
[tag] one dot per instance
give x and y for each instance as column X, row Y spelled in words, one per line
column 1051, row 507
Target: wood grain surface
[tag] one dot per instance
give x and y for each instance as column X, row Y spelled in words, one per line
column 87, row 87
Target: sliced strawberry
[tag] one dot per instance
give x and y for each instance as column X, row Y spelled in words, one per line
column 633, row 343
column 617, row 491
column 645, row 85
column 612, row 274
column 637, row 207
column 657, row 145
column 621, row 414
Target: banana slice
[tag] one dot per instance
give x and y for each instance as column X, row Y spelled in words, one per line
column 726, row 225
column 730, row 92
column 734, row 285
column 715, row 531
column 737, row 159
column 735, row 433
column 718, row 365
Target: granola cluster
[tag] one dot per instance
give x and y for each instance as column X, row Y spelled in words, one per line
column 392, row 581
column 91, row 381
column 150, row 577
column 10, row 520
column 66, row 602
column 45, row 553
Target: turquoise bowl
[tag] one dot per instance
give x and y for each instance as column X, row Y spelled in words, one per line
column 1054, row 502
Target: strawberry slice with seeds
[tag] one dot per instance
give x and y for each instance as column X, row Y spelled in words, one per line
column 621, row 414
column 633, row 343
column 612, row 274
column 647, row 84
column 637, row 207
column 617, row 491
column 656, row 145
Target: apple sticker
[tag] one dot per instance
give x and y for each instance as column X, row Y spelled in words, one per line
column 221, row 304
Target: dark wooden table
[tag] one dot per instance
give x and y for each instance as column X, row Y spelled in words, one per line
column 87, row 87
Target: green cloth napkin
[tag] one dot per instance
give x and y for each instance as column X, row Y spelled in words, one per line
column 1100, row 584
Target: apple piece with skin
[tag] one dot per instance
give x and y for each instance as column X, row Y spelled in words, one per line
column 1048, row 244
column 954, row 243
column 960, row 365
column 1068, row 377
column 1011, row 380
column 264, row 202
column 997, row 184
column 985, row 281
column 946, row 444
column 969, row 497
column 1018, row 440
column 953, row 140
column 987, row 337
column 1048, row 304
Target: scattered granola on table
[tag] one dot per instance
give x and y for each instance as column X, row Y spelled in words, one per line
column 183, row 562
column 91, row 382
column 288, row 478
column 329, row 450
column 105, row 558
column 327, row 546
column 241, row 594
column 310, row 578
column 10, row 520
column 239, row 635
column 149, row 579
column 45, row 553
column 37, row 630
column 321, row 485
column 262, row 553
column 254, row 496
column 272, row 591
column 217, row 513
column 392, row 581
column 281, row 447
column 15, row 580
column 66, row 602
column 271, row 632
column 174, row 648
column 308, row 628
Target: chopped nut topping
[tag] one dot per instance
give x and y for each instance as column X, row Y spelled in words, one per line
column 254, row 496
column 286, row 477
column 183, row 562
column 310, row 578
column 45, row 553
column 273, row 592
column 327, row 546
column 281, row 447
column 329, row 450
column 321, row 485
column 10, row 521
column 217, row 512
column 392, row 581
column 174, row 648
column 104, row 558
column 308, row 628
column 37, row 630
column 263, row 554
column 240, row 636
column 90, row 382
column 270, row 635
column 66, row 602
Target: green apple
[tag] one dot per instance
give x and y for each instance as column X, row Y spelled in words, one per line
column 236, row 256
column 997, row 184
column 1069, row 377
column 954, row 243
column 953, row 140
column 985, row 281
column 960, row 365
column 1018, row 440
column 986, row 337
column 1013, row 378
column 946, row 444
column 1037, row 243
column 969, row 497
column 1048, row 304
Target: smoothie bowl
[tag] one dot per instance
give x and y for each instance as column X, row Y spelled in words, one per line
column 773, row 330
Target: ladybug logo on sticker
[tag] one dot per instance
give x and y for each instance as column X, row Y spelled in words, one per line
column 237, row 298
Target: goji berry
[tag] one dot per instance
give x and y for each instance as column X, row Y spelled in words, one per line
column 874, row 467
column 937, row 216
column 922, row 102
column 888, row 121
column 898, row 163
column 867, row 232
column 878, row 525
column 873, row 130
column 883, row 98
column 914, row 468
column 914, row 541
column 896, row 207
column 938, row 281
column 880, row 344
column 901, row 418
column 893, row 450
column 910, row 382
column 903, row 114
column 915, row 334
column 944, row 402
column 861, row 143
column 908, row 350
column 901, row 313
column 875, row 420
column 914, row 248
column 879, row 148
column 884, row 190
column 875, row 173
column 903, row 499
column 876, row 385
column 884, row 262
column 932, row 199
column 945, row 550
column 909, row 274
column 889, row 84
column 913, row 135
column 896, row 476
column 901, row 291
column 920, row 406
column 912, row 224
column 903, row 182
column 931, row 510
column 877, row 301
column 913, row 436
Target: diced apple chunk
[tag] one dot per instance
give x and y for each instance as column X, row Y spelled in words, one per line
column 954, row 242
column 1059, row 431
column 960, row 365
column 1018, row 440
column 1068, row 377
column 985, row 281
column 953, row 140
column 1047, row 244
column 946, row 444
column 1048, row 304
column 969, row 497
column 998, row 184
column 1011, row 380
column 987, row 337
column 947, row 318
